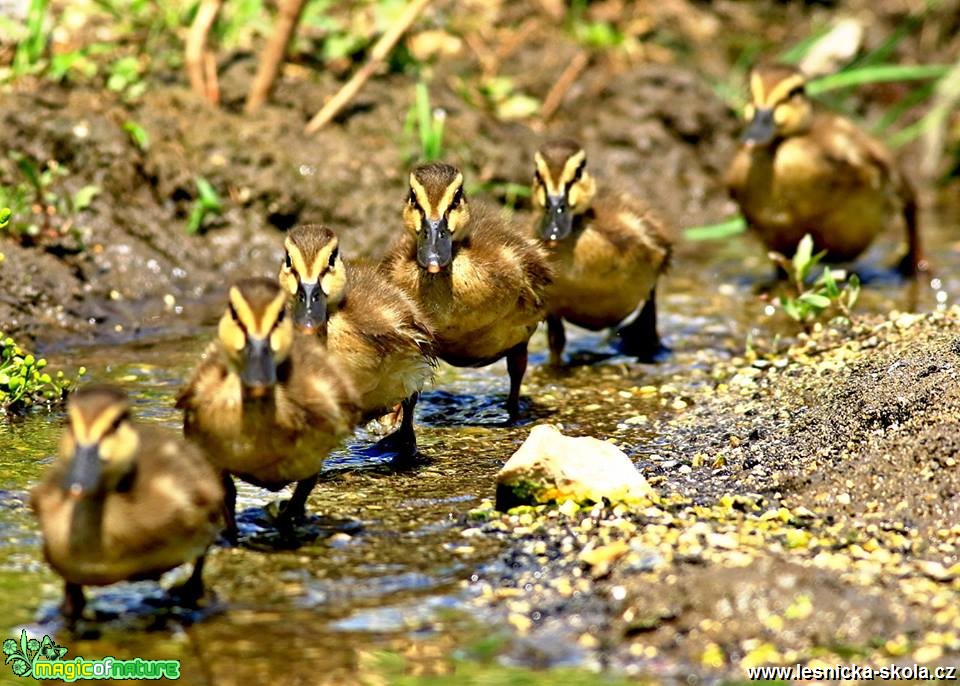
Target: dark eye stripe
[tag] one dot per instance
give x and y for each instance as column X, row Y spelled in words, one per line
column 236, row 318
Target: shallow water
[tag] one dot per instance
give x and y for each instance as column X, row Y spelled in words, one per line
column 387, row 569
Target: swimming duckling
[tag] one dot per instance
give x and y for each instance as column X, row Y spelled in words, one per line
column 376, row 331
column 607, row 250
column 800, row 170
column 481, row 284
column 124, row 501
column 265, row 406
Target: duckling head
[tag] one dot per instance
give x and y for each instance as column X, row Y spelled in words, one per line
column 255, row 334
column 562, row 187
column 100, row 442
column 779, row 106
column 436, row 213
column 313, row 274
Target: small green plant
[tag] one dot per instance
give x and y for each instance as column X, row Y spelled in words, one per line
column 30, row 50
column 207, row 203
column 126, row 77
column 5, row 213
column 805, row 303
column 429, row 122
column 38, row 204
column 24, row 380
column 138, row 135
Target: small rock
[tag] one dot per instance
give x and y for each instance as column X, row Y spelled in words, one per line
column 551, row 467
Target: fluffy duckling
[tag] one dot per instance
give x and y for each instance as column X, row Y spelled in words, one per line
column 607, row 250
column 480, row 283
column 265, row 406
column 123, row 502
column 375, row 330
column 800, row 170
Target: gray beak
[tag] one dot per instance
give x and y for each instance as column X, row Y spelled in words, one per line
column 85, row 470
column 259, row 371
column 761, row 130
column 434, row 245
column 310, row 307
column 557, row 221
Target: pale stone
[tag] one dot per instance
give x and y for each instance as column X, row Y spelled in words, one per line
column 551, row 467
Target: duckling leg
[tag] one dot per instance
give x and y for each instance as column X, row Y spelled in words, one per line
column 402, row 443
column 296, row 508
column 73, row 601
column 557, row 338
column 230, row 531
column 912, row 263
column 190, row 591
column 640, row 337
column 516, row 368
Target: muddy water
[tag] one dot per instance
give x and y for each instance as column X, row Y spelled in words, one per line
column 387, row 568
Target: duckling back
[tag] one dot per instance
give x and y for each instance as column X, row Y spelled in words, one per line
column 381, row 338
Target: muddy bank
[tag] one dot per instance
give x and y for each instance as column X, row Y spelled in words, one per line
column 809, row 514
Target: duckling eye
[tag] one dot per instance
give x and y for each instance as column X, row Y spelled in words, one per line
column 577, row 175
column 287, row 261
column 333, row 257
column 412, row 198
column 281, row 316
column 796, row 92
column 457, row 198
column 537, row 178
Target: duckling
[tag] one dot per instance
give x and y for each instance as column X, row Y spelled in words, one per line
column 800, row 170
column 376, row 331
column 481, row 283
column 265, row 406
column 607, row 250
column 123, row 502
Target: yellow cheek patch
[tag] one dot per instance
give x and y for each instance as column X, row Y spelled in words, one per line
column 781, row 114
column 411, row 219
column 334, row 281
column 282, row 338
column 749, row 111
column 459, row 221
column 757, row 91
column 121, row 445
column 231, row 335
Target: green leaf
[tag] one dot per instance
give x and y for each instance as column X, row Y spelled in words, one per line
column 801, row 258
column 830, row 283
column 208, row 195
column 137, row 134
column 853, row 291
column 711, row 232
column 83, row 197
column 5, row 216
column 884, row 73
column 23, row 642
column 816, row 300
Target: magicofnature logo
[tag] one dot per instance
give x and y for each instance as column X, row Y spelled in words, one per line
column 44, row 659
column 24, row 656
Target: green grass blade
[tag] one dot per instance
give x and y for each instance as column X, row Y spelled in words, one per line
column 877, row 74
column 712, row 232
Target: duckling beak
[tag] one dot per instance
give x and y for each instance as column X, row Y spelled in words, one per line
column 310, row 307
column 761, row 129
column 557, row 220
column 434, row 245
column 259, row 372
column 85, row 470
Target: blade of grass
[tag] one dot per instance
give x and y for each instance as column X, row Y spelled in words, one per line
column 712, row 232
column 877, row 74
